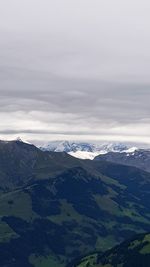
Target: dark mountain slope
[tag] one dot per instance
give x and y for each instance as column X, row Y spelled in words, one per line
column 21, row 163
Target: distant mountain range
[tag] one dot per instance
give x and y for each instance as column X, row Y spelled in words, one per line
column 55, row 208
column 113, row 152
column 86, row 150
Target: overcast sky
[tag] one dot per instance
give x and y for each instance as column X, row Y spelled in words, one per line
column 75, row 69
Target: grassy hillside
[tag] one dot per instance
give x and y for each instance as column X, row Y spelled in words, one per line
column 131, row 253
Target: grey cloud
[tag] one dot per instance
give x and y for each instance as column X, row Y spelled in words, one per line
column 98, row 99
column 78, row 64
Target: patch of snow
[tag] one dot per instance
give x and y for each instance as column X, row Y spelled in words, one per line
column 84, row 154
column 131, row 150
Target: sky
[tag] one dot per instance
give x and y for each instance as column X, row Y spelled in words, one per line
column 75, row 70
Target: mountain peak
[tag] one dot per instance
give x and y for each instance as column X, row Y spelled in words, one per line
column 18, row 139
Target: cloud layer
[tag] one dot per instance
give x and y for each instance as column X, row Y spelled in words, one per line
column 75, row 70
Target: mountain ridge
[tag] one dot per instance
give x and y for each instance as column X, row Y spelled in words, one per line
column 140, row 158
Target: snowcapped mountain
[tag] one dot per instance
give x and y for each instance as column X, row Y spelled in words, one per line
column 86, row 150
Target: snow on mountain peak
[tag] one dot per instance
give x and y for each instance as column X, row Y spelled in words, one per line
column 131, row 150
column 85, row 150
